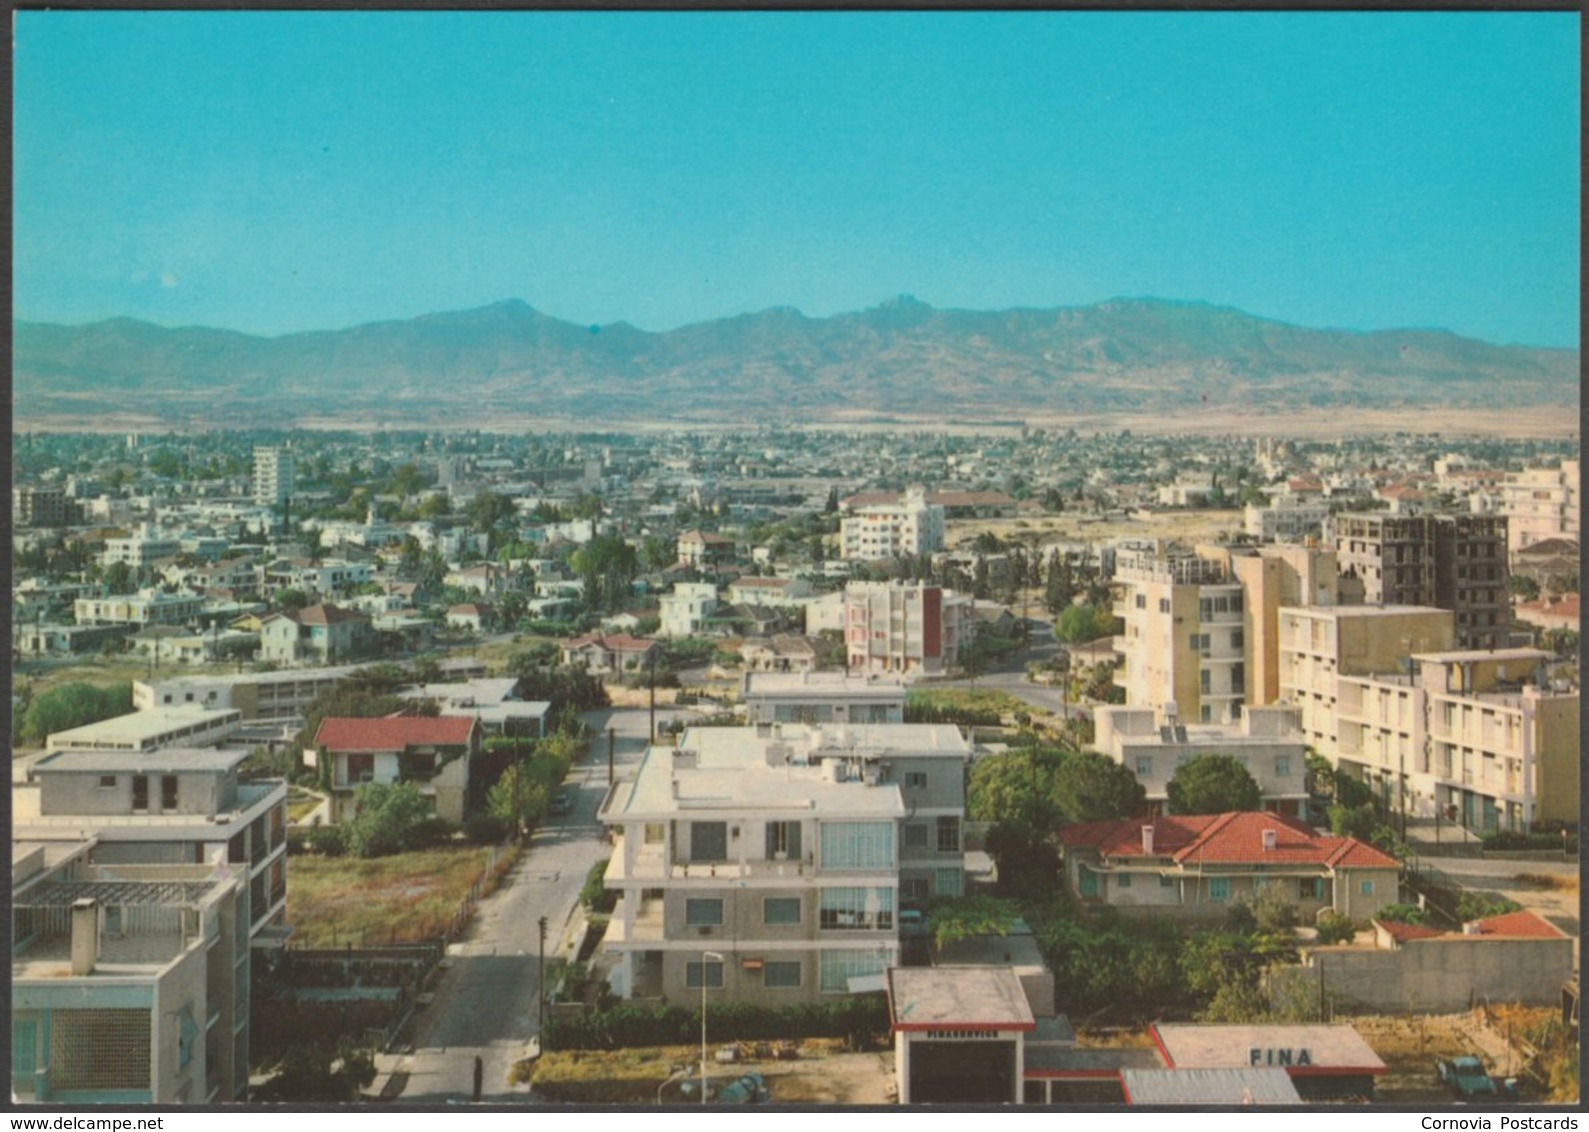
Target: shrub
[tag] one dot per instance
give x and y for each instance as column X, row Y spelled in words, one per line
column 390, row 819
column 1336, row 928
column 595, row 895
column 858, row 1019
column 1481, row 905
column 327, row 840
column 486, row 828
column 1511, row 840
column 1403, row 914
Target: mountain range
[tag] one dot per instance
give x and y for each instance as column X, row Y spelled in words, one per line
column 901, row 360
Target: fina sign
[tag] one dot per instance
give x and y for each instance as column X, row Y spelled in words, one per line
column 962, row 1035
column 1280, row 1058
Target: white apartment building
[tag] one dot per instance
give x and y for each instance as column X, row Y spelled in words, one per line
column 1541, row 503
column 1287, row 518
column 1471, row 735
column 273, row 476
column 903, row 627
column 1267, row 741
column 890, row 530
column 151, row 608
column 684, row 611
column 154, row 730
column 139, row 550
column 823, row 697
column 768, row 863
column 1185, row 637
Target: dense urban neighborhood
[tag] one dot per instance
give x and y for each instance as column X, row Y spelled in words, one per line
column 812, row 765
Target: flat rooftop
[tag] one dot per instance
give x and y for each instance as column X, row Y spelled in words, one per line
column 819, row 685
column 808, row 742
column 1191, row 1046
column 739, row 780
column 170, row 760
column 1468, row 656
column 1362, row 610
column 137, row 726
column 1208, row 1086
column 957, row 998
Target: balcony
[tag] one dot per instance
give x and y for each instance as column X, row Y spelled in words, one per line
column 646, row 927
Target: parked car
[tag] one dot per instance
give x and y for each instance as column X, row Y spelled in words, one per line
column 562, row 803
column 1466, row 1077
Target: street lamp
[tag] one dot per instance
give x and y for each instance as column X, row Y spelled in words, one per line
column 705, row 955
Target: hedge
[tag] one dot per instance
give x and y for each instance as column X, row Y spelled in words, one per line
column 1511, row 840
column 625, row 1026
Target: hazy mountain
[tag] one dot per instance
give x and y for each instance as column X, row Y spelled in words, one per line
column 902, row 358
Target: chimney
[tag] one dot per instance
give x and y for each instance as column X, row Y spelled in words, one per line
column 1147, row 841
column 1270, row 840
column 85, row 935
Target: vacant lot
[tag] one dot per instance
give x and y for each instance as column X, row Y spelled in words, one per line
column 1410, row 1044
column 405, row 898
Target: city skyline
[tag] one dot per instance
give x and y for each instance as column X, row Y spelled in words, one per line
column 276, row 172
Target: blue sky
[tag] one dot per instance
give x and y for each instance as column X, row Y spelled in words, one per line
column 273, row 172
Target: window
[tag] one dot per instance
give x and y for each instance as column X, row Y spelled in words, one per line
column 1206, row 681
column 1123, row 880
column 1311, row 888
column 140, row 792
column 1142, row 601
column 1237, row 638
column 856, row 909
column 714, row 976
column 780, row 910
column 1238, row 677
column 857, row 845
column 916, row 779
column 708, row 841
column 1164, row 605
column 782, row 975
column 839, row 967
column 108, row 781
column 186, row 1037
column 703, row 913
column 168, row 792
column 915, row 888
column 1144, row 766
column 1166, row 882
column 949, row 834
column 656, row 832
column 1283, row 766
column 916, row 835
column 1219, row 889
column 1367, row 888
column 950, row 882
column 783, row 840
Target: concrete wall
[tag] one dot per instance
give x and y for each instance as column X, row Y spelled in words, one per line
column 1434, row 975
column 203, row 794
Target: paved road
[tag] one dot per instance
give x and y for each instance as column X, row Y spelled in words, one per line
column 486, row 1002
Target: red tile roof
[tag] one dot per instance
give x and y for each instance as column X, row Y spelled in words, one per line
column 616, row 642
column 1232, row 838
column 1520, row 924
column 393, row 732
column 326, row 615
column 1404, row 933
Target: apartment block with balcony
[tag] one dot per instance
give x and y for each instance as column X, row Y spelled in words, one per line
column 128, row 985
column 1267, row 741
column 903, row 627
column 769, row 862
column 1455, row 562
column 879, row 531
column 1319, row 645
column 1185, row 637
column 1540, row 504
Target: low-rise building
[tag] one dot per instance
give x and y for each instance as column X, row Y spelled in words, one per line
column 684, row 612
column 155, row 730
column 429, row 752
column 320, row 634
column 141, row 609
column 1195, row 866
column 823, row 697
column 611, row 653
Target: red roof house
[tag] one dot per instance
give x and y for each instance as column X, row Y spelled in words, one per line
column 431, row 752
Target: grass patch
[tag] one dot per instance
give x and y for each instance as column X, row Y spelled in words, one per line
column 404, row 898
column 967, row 699
column 1546, row 881
column 300, row 804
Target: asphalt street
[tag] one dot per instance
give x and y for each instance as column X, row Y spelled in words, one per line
column 486, row 1002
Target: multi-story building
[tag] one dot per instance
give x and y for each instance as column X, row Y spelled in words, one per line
column 142, row 884
column 769, row 862
column 266, row 700
column 1319, row 644
column 1455, row 562
column 153, row 730
column 703, row 550
column 1541, row 503
column 43, row 507
column 128, row 986
column 823, row 697
column 1267, row 741
column 140, row 550
column 320, row 634
column 1288, row 518
column 892, row 530
column 903, row 627
column 430, row 752
column 1471, row 736
column 684, row 611
column 1185, row 640
column 1273, row 577
column 273, row 476
column 141, row 609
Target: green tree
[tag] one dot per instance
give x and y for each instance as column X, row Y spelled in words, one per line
column 1015, row 786
column 487, row 509
column 389, row 819
column 1025, row 858
column 1212, row 784
column 1081, row 623
column 72, row 705
column 119, row 578
column 1093, row 787
column 1353, row 821
column 291, row 599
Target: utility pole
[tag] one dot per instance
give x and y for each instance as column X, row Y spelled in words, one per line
column 612, row 738
column 651, row 736
column 540, row 1021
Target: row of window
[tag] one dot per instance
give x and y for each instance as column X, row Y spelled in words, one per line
column 1308, row 888
column 837, row 968
column 845, row 845
column 1145, row 764
column 140, row 790
column 838, row 909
